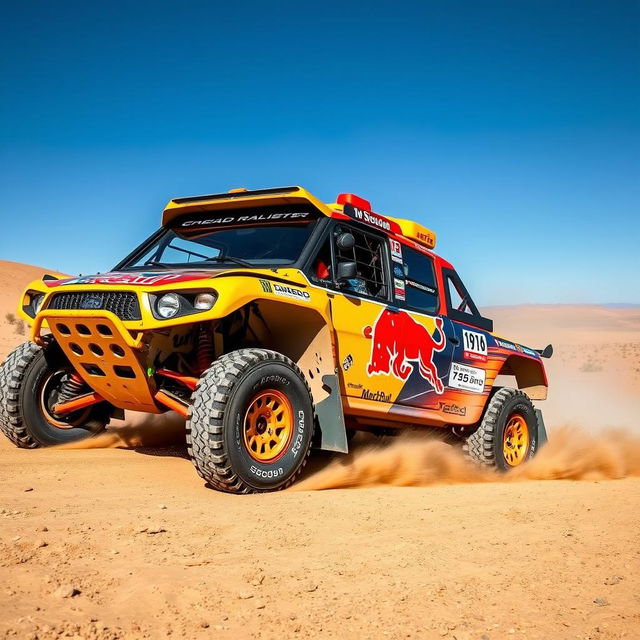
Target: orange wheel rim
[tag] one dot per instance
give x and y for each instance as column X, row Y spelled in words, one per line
column 515, row 444
column 268, row 426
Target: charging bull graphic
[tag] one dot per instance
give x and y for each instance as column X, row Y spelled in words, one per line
column 397, row 341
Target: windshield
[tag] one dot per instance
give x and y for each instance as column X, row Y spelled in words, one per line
column 191, row 245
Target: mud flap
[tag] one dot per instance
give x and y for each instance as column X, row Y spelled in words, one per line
column 333, row 433
column 542, row 430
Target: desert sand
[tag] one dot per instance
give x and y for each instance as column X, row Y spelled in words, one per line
column 122, row 540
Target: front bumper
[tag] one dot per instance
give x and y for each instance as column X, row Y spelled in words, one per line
column 108, row 357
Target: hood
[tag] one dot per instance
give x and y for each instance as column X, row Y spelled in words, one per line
column 142, row 279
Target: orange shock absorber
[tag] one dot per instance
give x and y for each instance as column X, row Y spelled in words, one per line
column 205, row 348
column 73, row 386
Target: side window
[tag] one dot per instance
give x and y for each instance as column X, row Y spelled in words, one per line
column 460, row 306
column 321, row 267
column 459, row 299
column 368, row 254
column 421, row 292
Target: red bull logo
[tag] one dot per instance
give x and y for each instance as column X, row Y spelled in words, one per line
column 398, row 341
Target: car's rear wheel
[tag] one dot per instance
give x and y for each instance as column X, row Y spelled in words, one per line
column 251, row 422
column 29, row 389
column 507, row 436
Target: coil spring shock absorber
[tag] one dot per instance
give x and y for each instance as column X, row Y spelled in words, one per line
column 205, row 347
column 72, row 387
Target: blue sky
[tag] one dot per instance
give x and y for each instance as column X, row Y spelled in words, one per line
column 511, row 128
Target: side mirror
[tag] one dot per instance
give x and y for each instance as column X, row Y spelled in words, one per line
column 346, row 270
column 345, row 241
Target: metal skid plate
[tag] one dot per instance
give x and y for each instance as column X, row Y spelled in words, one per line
column 105, row 355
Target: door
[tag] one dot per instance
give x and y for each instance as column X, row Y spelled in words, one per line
column 424, row 342
column 356, row 305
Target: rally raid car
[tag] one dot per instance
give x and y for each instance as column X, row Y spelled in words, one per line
column 273, row 323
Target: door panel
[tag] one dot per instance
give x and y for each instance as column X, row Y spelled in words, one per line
column 394, row 356
column 462, row 372
column 391, row 355
column 355, row 320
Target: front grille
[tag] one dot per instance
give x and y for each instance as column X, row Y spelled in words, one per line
column 123, row 303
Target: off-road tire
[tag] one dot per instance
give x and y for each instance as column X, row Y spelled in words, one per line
column 485, row 445
column 21, row 418
column 216, row 419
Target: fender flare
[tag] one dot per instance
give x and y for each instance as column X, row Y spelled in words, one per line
column 529, row 374
column 305, row 335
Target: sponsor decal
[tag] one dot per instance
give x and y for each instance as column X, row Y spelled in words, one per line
column 506, row 345
column 353, row 385
column 266, row 286
column 453, row 409
column 399, row 289
column 398, row 271
column 378, row 396
column 372, row 219
column 428, row 238
column 291, row 292
column 469, row 355
column 466, row 378
column 244, row 219
column 400, row 344
column 347, row 362
column 530, row 352
column 422, row 287
column 396, row 250
column 136, row 279
column 475, row 345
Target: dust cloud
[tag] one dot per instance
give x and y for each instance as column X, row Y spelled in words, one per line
column 411, row 460
column 136, row 431
column 414, row 459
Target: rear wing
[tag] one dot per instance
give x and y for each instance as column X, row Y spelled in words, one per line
column 547, row 352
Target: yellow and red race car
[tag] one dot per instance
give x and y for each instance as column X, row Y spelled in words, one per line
column 272, row 322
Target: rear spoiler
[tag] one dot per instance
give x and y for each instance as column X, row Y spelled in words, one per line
column 547, row 352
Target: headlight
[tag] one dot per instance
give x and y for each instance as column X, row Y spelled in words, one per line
column 168, row 306
column 204, row 301
column 36, row 302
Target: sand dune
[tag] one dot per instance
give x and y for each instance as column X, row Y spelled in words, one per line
column 123, row 541
column 14, row 277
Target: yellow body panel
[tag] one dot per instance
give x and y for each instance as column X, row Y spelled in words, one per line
column 417, row 232
column 233, row 291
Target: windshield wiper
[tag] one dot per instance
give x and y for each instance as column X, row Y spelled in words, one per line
column 195, row 265
column 155, row 263
column 240, row 261
column 187, row 251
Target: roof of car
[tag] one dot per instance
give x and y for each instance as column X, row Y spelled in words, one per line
column 347, row 205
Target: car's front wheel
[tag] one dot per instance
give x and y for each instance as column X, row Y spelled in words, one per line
column 29, row 389
column 251, row 422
